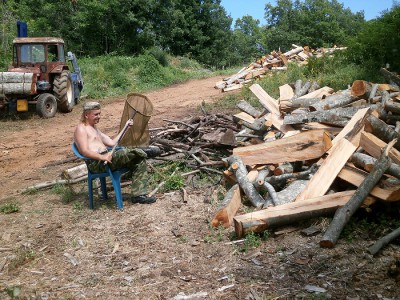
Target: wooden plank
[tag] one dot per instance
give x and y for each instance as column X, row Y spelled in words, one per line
column 266, row 100
column 285, row 92
column 255, row 73
column 356, row 176
column 353, row 127
column 277, row 122
column 228, row 209
column 303, row 146
column 327, row 172
column 373, row 146
column 289, row 213
column 244, row 117
column 233, row 87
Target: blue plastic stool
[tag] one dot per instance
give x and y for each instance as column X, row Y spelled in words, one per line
column 114, row 175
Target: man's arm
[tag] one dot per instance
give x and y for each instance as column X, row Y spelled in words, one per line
column 82, row 141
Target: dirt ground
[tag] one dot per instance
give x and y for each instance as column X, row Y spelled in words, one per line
column 167, row 250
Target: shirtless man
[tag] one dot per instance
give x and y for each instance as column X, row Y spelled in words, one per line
column 93, row 143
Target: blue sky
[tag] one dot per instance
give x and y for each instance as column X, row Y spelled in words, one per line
column 255, row 8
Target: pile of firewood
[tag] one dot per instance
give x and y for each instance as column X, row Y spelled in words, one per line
column 276, row 61
column 314, row 152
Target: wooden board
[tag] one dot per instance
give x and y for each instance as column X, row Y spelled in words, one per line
column 303, row 146
column 373, row 146
column 266, row 100
column 356, row 177
column 289, row 213
column 327, row 172
column 244, row 117
column 285, row 92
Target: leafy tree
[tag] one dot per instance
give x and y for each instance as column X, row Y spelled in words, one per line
column 378, row 43
column 247, row 39
column 316, row 23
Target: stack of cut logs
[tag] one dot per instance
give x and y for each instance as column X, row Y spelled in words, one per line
column 313, row 153
column 276, row 61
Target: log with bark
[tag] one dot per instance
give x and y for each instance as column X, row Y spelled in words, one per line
column 343, row 215
column 237, row 166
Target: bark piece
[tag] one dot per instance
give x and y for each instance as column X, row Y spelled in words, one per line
column 343, row 215
column 303, row 146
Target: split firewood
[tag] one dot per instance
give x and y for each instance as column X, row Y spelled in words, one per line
column 356, row 177
column 303, row 146
column 285, row 92
column 373, row 146
column 266, row 100
column 329, row 169
column 352, row 130
column 382, row 242
column 228, row 208
column 320, row 93
column 248, row 188
column 289, row 213
column 343, row 215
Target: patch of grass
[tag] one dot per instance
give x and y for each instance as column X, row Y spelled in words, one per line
column 21, row 257
column 66, row 192
column 252, row 240
column 217, row 235
column 9, row 208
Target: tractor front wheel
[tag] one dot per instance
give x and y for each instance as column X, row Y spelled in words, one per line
column 64, row 91
column 46, row 106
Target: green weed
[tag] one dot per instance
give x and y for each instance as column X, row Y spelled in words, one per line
column 66, row 192
column 9, row 208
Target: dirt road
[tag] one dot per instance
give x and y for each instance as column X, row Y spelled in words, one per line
column 28, row 146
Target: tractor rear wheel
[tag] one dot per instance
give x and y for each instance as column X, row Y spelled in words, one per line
column 64, row 91
column 46, row 105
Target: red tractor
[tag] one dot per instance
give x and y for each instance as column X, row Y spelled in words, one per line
column 40, row 76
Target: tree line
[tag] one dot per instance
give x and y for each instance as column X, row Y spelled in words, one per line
column 199, row 29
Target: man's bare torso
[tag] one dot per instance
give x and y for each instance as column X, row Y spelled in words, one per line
column 94, row 140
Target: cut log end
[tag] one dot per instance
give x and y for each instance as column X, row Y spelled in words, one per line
column 326, row 244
